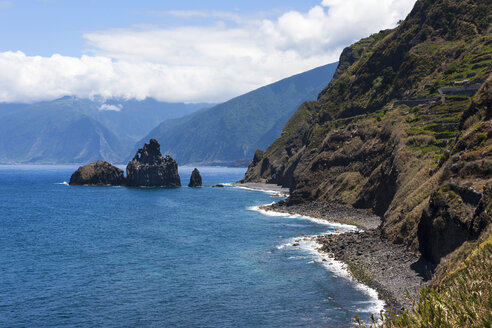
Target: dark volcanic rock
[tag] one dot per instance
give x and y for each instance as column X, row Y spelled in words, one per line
column 195, row 179
column 449, row 220
column 150, row 169
column 98, row 174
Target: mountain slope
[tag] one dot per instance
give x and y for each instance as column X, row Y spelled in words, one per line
column 233, row 130
column 128, row 119
column 404, row 129
column 57, row 135
column 74, row 130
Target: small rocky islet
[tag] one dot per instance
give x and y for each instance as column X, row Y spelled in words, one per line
column 195, row 179
column 148, row 168
column 100, row 173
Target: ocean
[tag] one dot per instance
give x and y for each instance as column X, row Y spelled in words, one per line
column 79, row 256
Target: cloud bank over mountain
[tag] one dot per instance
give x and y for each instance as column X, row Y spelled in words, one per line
column 208, row 62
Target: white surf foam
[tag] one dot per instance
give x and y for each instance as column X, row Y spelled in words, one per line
column 308, row 244
column 62, row 183
column 267, row 191
column 331, row 224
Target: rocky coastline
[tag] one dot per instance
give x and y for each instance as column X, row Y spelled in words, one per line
column 391, row 269
column 276, row 189
column 362, row 219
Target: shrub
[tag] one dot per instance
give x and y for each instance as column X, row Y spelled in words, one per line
column 420, row 140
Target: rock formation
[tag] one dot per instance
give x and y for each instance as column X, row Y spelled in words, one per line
column 98, row 174
column 149, row 168
column 195, row 179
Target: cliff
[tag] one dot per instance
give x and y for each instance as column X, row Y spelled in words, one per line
column 404, row 129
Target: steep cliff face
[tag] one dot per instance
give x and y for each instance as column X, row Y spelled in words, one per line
column 461, row 206
column 404, row 129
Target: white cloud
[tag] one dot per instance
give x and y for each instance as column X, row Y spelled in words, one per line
column 196, row 63
column 115, row 108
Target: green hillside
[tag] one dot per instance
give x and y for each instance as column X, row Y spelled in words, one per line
column 232, row 131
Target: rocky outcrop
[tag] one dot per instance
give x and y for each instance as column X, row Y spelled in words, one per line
column 450, row 219
column 195, row 179
column 98, row 174
column 149, row 168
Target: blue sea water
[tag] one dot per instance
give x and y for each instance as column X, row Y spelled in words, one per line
column 78, row 256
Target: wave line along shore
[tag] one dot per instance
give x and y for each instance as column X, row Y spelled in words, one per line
column 390, row 269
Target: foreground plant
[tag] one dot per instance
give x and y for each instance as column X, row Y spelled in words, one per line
column 463, row 299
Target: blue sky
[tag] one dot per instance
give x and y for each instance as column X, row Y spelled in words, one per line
column 46, row 27
column 191, row 51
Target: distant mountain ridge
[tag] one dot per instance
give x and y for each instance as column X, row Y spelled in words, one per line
column 230, row 132
column 56, row 135
column 128, row 119
column 75, row 130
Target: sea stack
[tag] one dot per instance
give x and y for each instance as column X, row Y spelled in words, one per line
column 195, row 179
column 98, row 174
column 149, row 168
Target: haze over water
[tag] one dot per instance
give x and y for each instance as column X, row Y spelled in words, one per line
column 126, row 257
